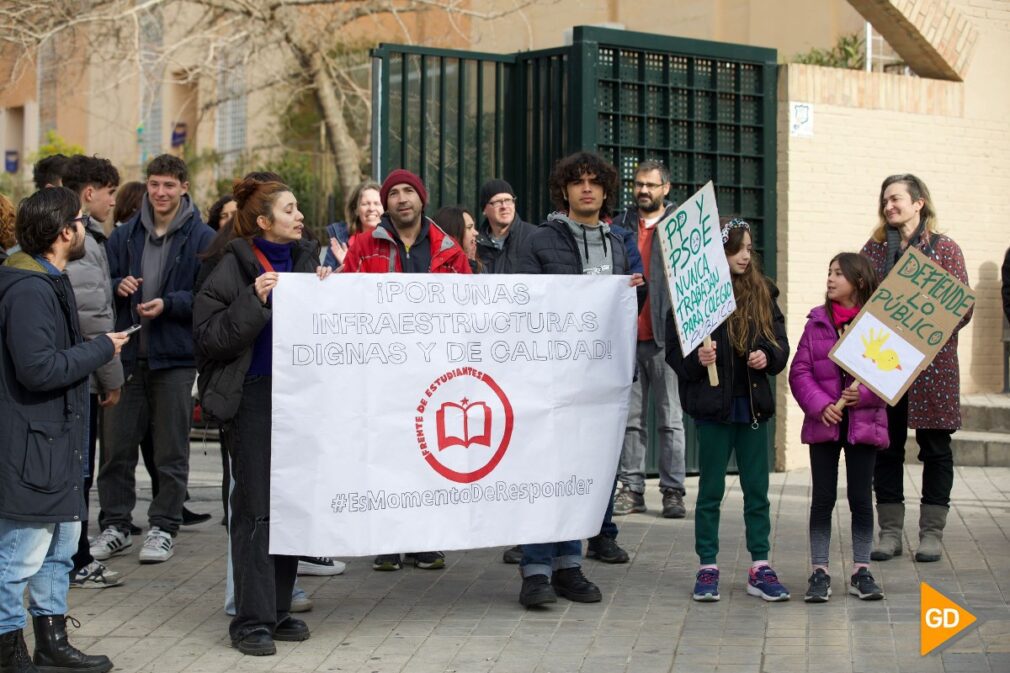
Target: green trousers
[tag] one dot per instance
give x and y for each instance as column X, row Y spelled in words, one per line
column 716, row 443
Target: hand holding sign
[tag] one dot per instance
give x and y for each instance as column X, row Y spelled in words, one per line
column 903, row 326
column 697, row 274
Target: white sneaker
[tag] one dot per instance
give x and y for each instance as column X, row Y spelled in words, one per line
column 311, row 565
column 112, row 541
column 158, row 546
column 95, row 576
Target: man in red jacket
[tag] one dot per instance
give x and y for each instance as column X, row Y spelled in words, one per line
column 405, row 241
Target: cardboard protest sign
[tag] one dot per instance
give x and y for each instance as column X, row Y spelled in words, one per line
column 903, row 326
column 701, row 289
column 445, row 411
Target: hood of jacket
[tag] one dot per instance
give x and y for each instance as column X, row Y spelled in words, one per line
column 595, row 251
column 181, row 217
column 17, row 268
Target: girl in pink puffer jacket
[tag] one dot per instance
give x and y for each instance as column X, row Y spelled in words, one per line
column 859, row 427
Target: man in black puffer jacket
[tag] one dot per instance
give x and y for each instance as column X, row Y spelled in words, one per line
column 575, row 241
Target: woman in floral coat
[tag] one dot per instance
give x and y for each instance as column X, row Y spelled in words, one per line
column 931, row 406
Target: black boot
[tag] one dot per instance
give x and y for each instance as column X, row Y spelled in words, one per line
column 14, row 654
column 54, row 653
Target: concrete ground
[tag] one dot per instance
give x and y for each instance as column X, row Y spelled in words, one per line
column 466, row 618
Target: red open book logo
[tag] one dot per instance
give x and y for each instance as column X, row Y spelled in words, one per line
column 445, row 417
column 463, row 424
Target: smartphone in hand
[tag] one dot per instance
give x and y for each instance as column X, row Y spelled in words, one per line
column 131, row 329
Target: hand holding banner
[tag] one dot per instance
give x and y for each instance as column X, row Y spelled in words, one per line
column 697, row 274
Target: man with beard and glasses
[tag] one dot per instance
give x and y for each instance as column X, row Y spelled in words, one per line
column 655, row 378
column 44, row 368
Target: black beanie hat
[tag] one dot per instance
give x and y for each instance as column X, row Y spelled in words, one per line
column 492, row 187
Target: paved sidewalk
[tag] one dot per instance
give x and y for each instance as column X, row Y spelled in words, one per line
column 466, row 618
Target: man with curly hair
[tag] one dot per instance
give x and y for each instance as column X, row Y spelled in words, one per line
column 573, row 240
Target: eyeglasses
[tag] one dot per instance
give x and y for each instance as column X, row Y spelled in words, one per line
column 502, row 203
column 82, row 219
column 651, row 186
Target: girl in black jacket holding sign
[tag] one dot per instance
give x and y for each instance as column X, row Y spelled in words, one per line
column 746, row 349
column 234, row 336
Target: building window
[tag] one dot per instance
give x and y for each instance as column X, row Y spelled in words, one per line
column 149, row 132
column 231, row 114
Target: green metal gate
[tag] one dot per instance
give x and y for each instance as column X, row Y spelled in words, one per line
column 706, row 109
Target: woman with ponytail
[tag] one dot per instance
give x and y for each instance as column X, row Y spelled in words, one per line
column 233, row 335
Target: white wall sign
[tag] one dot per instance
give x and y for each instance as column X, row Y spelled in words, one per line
column 801, row 119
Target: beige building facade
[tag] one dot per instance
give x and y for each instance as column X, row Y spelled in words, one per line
column 951, row 128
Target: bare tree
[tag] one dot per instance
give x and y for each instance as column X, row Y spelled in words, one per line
column 291, row 43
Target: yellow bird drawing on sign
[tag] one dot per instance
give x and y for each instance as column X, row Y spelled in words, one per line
column 886, row 360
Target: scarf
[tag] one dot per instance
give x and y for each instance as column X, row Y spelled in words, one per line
column 841, row 316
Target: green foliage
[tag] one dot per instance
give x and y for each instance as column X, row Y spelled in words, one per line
column 849, row 52
column 15, row 187
column 55, row 144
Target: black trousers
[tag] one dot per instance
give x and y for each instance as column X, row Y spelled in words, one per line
column 263, row 583
column 934, row 454
column 83, row 556
column 859, row 463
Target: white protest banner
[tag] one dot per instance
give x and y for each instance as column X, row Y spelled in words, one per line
column 415, row 413
column 701, row 289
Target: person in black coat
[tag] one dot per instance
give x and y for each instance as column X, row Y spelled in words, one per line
column 502, row 234
column 44, row 368
column 233, row 337
column 574, row 240
column 746, row 349
column 1005, row 273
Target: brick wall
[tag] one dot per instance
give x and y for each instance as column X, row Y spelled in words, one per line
column 868, row 126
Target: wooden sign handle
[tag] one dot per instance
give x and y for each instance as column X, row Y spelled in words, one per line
column 840, row 404
column 713, row 374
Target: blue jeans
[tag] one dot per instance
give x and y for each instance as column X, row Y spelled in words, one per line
column 545, row 557
column 38, row 555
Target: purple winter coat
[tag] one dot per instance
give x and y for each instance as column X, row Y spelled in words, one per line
column 816, row 382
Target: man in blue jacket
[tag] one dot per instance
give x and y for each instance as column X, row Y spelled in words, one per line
column 44, row 368
column 153, row 260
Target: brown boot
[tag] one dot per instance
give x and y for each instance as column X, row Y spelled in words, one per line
column 891, row 519
column 932, row 520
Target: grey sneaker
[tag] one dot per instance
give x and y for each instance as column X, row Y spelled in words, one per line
column 300, row 601
column 95, row 576
column 627, row 501
column 864, row 586
column 673, row 505
column 110, row 542
column 158, row 547
column 818, row 587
